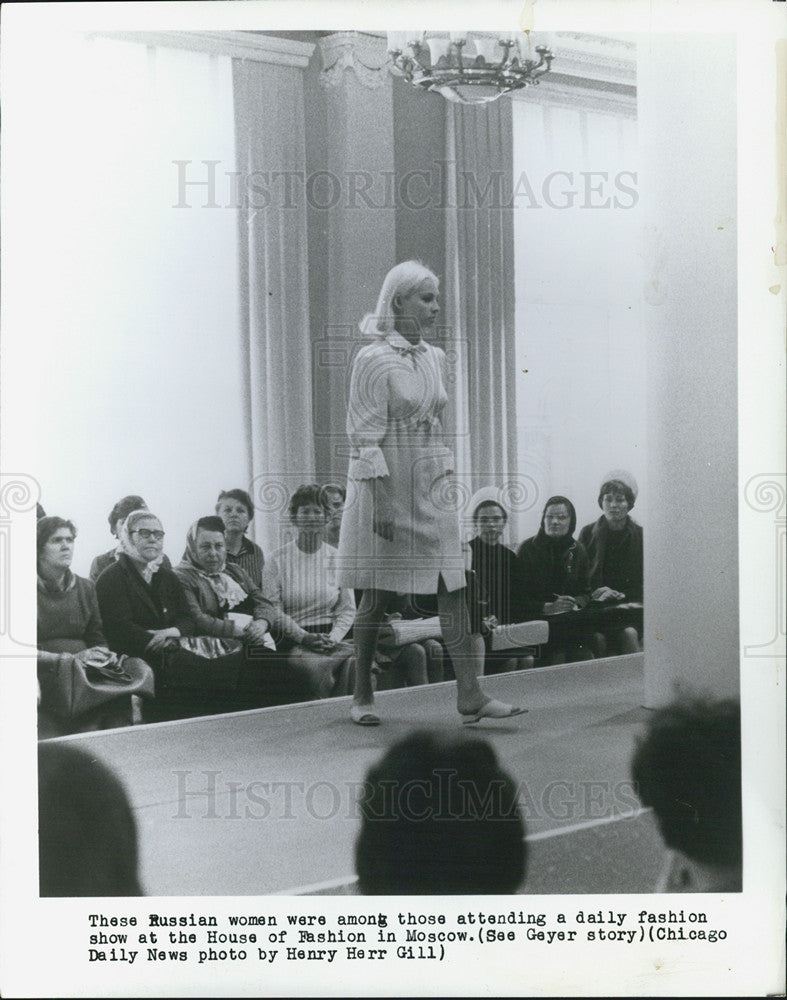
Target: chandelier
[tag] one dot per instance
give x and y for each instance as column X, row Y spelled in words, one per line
column 468, row 67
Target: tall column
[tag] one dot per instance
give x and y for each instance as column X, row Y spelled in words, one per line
column 357, row 193
column 687, row 120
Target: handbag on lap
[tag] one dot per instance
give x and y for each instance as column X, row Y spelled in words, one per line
column 520, row 635
column 402, row 631
column 72, row 687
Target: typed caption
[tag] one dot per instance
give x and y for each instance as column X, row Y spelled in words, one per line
column 400, row 936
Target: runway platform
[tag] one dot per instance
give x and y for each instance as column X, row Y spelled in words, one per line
column 264, row 802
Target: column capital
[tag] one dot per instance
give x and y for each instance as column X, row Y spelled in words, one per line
column 363, row 53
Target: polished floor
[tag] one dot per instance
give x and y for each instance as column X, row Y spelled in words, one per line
column 264, row 802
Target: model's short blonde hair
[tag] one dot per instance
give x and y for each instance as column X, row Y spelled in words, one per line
column 402, row 279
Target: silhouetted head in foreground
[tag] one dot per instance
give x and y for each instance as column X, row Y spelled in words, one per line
column 440, row 816
column 87, row 837
column 688, row 768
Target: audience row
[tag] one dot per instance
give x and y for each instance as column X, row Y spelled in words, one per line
column 227, row 629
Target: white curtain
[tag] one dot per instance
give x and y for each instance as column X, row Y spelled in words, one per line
column 581, row 352
column 479, row 294
column 269, row 118
column 127, row 282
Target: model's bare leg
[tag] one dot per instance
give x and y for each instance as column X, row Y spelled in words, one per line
column 467, row 654
column 365, row 630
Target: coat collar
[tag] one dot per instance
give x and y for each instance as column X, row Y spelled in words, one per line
column 69, row 582
column 403, row 346
column 601, row 528
column 136, row 581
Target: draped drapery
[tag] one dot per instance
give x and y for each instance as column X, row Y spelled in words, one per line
column 131, row 288
column 478, row 294
column 270, row 137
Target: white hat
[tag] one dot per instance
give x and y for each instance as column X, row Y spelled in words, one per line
column 487, row 494
column 620, row 476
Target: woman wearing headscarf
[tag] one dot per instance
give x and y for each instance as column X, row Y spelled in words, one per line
column 142, row 602
column 224, row 602
column 118, row 514
column 146, row 614
column 400, row 531
column 69, row 628
column 553, row 570
column 222, row 598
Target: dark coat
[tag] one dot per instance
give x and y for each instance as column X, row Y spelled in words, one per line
column 187, row 684
column 497, row 571
column 594, row 538
column 546, row 569
column 130, row 608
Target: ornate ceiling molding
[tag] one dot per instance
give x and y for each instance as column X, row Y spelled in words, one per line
column 238, row 44
column 593, row 72
column 365, row 54
column 593, row 57
column 567, row 92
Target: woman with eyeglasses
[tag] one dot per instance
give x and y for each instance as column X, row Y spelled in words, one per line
column 142, row 603
column 146, row 613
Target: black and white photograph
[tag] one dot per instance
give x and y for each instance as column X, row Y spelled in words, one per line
column 392, row 499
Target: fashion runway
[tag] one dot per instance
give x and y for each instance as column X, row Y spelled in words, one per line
column 264, row 802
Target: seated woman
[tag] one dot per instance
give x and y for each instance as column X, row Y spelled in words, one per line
column 315, row 614
column 236, row 510
column 224, row 601
column 614, row 547
column 70, row 628
column 117, row 517
column 553, row 570
column 496, row 574
column 145, row 613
